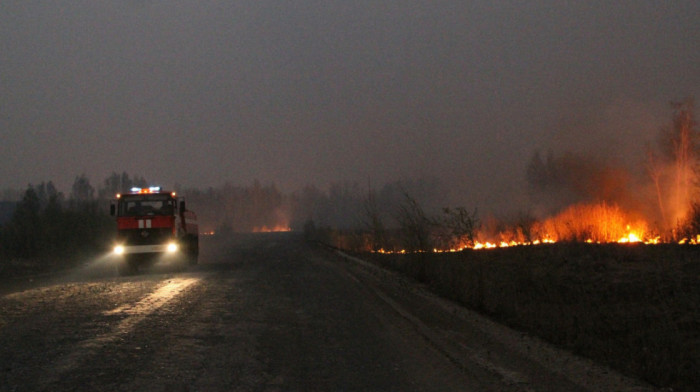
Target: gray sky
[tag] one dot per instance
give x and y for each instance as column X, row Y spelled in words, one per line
column 309, row 91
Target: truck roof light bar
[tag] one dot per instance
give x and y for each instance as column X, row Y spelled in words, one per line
column 150, row 189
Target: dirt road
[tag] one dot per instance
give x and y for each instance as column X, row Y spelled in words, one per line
column 267, row 313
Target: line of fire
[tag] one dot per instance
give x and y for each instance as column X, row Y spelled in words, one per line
column 588, row 201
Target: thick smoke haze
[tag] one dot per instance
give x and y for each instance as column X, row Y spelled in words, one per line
column 200, row 93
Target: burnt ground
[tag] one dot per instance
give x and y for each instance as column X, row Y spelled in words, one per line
column 266, row 313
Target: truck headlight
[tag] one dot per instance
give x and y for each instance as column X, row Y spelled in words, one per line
column 172, row 247
column 119, row 250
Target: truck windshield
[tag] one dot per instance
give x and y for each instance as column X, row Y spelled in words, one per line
column 142, row 205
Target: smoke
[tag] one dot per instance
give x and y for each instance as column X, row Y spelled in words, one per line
column 658, row 181
column 555, row 182
column 340, row 205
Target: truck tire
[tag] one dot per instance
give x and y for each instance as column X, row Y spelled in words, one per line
column 193, row 250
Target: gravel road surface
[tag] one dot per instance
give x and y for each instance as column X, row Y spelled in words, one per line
column 266, row 313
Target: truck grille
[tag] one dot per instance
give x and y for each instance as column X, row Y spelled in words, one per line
column 145, row 236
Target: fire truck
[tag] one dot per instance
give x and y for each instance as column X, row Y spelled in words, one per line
column 153, row 225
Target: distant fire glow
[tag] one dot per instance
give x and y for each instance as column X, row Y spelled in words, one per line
column 272, row 229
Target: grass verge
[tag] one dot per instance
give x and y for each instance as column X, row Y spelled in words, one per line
column 635, row 308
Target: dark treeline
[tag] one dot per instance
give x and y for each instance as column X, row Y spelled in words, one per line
column 46, row 222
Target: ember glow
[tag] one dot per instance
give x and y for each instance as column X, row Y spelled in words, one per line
column 272, row 229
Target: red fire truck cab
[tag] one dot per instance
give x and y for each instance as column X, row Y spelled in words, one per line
column 153, row 225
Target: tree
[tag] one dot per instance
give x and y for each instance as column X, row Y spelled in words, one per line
column 684, row 151
column 29, row 207
column 111, row 186
column 372, row 221
column 415, row 225
column 675, row 167
column 538, row 174
column 120, row 183
column 82, row 191
column 24, row 230
column 460, row 225
column 655, row 171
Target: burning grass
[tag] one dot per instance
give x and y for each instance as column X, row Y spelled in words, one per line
column 634, row 307
column 593, row 223
column 598, row 223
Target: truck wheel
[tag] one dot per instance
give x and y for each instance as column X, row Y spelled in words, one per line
column 192, row 257
column 193, row 251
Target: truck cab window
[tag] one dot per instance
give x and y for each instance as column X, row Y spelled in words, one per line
column 146, row 206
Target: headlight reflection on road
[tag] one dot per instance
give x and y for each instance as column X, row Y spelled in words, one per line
column 166, row 292
column 134, row 313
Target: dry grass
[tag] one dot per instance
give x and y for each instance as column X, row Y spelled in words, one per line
column 635, row 308
column 599, row 222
